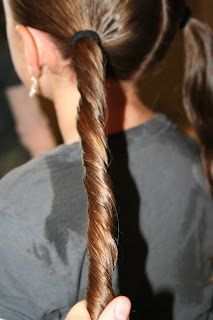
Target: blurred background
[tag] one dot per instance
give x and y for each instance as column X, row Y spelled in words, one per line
column 11, row 152
column 20, row 116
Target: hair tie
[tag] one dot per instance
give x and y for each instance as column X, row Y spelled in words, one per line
column 93, row 35
column 186, row 18
column 85, row 34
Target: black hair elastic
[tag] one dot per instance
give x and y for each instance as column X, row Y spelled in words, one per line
column 186, row 18
column 93, row 35
column 86, row 34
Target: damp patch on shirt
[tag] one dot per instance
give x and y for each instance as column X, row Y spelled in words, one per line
column 43, row 254
column 68, row 216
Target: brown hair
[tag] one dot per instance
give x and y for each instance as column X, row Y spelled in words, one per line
column 135, row 35
column 198, row 89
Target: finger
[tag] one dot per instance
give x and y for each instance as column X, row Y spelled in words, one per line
column 117, row 309
column 79, row 312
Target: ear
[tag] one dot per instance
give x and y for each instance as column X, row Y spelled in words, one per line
column 31, row 49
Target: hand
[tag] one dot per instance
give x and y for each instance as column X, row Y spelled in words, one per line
column 118, row 309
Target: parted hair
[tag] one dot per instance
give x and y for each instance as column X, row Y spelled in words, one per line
column 135, row 35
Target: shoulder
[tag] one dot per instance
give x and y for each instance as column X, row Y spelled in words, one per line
column 21, row 183
column 32, row 183
column 159, row 146
column 171, row 143
column 180, row 159
column 166, row 168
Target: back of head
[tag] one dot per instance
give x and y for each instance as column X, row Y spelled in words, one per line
column 135, row 35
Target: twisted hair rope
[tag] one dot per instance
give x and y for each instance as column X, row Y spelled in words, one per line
column 87, row 60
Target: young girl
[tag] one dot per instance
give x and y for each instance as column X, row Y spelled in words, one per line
column 87, row 57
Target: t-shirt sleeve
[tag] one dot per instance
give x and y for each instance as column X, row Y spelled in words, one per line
column 19, row 277
column 13, row 300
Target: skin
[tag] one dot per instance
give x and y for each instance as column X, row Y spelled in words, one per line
column 117, row 309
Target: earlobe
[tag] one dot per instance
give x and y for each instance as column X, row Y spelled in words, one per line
column 30, row 49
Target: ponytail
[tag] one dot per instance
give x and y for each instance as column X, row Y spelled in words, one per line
column 87, row 59
column 198, row 89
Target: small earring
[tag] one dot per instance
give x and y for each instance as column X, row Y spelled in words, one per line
column 34, row 87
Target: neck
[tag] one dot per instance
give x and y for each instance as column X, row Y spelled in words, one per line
column 125, row 109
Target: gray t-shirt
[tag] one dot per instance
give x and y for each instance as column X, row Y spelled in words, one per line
column 165, row 240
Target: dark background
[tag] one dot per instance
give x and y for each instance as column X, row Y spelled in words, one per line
column 12, row 154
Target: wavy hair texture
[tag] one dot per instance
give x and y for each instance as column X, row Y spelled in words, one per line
column 101, row 204
column 198, row 89
column 135, row 34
